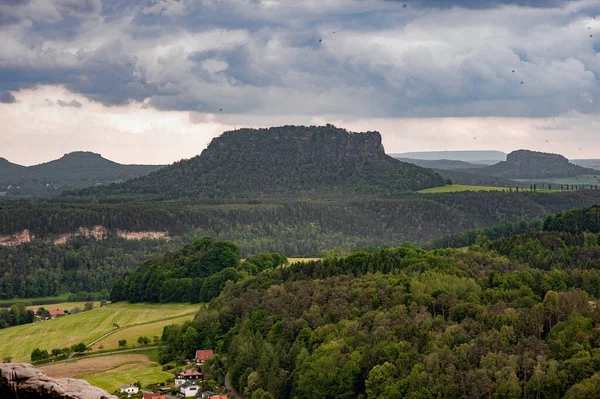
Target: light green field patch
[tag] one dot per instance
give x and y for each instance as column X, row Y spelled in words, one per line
column 127, row 373
column 452, row 188
column 64, row 306
column 131, row 334
column 301, row 260
column 111, row 371
column 18, row 342
column 2, row 193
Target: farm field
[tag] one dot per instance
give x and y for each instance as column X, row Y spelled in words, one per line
column 460, row 187
column 2, row 193
column 298, row 260
column 18, row 342
column 63, row 305
column 580, row 179
column 110, row 372
column 42, row 301
column 131, row 334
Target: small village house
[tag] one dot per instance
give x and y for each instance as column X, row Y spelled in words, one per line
column 154, row 395
column 54, row 313
column 188, row 375
column 203, row 354
column 129, row 389
column 189, row 389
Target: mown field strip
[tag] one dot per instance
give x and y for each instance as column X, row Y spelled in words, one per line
column 18, row 342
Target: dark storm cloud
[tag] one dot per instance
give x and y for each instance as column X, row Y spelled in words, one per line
column 6, row 97
column 341, row 57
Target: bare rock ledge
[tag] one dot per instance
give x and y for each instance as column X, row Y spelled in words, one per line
column 23, row 381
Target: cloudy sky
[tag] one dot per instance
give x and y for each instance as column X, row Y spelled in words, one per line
column 153, row 81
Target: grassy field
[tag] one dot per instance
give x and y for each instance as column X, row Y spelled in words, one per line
column 580, row 179
column 2, row 193
column 110, row 372
column 460, row 187
column 63, row 305
column 131, row 334
column 18, row 342
column 34, row 301
column 298, row 260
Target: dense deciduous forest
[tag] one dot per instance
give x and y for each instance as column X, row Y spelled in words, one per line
column 509, row 318
column 15, row 315
column 196, row 273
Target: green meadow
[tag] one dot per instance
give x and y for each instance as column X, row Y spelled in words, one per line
column 18, row 342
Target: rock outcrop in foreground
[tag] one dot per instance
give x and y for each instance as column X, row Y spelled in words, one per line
column 23, row 381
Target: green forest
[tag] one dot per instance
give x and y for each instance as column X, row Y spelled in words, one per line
column 514, row 317
column 292, row 228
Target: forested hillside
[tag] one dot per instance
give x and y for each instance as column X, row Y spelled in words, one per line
column 294, row 228
column 286, row 160
column 517, row 317
column 74, row 170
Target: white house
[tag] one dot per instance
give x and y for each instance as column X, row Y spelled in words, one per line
column 189, row 389
column 129, row 389
column 190, row 375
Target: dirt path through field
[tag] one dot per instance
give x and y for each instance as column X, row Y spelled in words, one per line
column 94, row 365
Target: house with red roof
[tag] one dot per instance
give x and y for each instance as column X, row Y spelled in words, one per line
column 154, row 395
column 55, row 313
column 191, row 375
column 203, row 354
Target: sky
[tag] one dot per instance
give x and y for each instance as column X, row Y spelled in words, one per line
column 153, row 81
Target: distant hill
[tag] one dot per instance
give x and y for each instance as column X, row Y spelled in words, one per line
column 588, row 163
column 484, row 157
column 72, row 171
column 278, row 160
column 525, row 164
column 445, row 164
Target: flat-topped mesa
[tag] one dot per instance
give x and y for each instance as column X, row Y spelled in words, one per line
column 296, row 144
column 23, row 381
column 531, row 159
column 525, row 164
column 281, row 161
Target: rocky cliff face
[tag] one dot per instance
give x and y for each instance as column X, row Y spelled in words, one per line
column 524, row 164
column 296, row 144
column 23, row 381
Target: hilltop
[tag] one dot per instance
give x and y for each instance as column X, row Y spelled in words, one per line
column 525, row 164
column 72, row 171
column 280, row 160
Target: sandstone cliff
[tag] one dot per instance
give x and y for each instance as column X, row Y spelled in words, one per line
column 23, row 381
